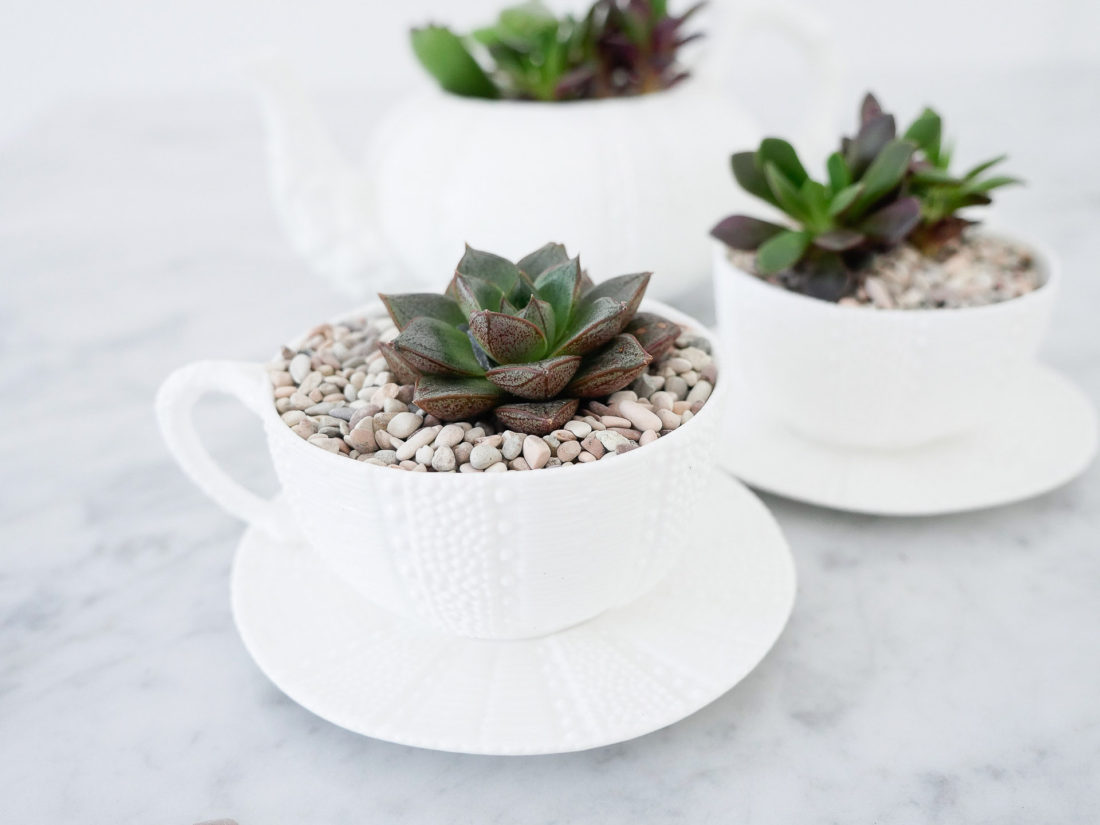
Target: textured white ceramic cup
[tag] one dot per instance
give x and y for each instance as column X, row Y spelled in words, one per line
column 863, row 377
column 485, row 555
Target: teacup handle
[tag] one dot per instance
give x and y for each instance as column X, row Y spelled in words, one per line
column 812, row 32
column 249, row 384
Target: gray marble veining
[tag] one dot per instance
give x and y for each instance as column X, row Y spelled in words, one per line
column 934, row 671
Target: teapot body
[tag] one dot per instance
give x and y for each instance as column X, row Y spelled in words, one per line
column 632, row 184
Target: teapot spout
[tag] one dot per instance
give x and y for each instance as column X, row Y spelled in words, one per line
column 323, row 202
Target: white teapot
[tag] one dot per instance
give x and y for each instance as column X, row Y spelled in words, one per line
column 632, row 183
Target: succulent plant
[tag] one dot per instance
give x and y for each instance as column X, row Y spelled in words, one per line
column 941, row 193
column 526, row 340
column 619, row 47
column 859, row 209
column 880, row 190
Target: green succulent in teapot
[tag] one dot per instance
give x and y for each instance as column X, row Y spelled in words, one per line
column 617, row 48
column 525, row 340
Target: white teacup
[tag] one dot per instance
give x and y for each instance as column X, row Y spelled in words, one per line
column 862, row 377
column 486, row 555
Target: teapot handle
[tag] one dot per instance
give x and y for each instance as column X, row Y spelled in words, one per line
column 812, row 32
column 176, row 398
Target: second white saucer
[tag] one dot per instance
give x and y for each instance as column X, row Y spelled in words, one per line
column 620, row 675
column 1044, row 436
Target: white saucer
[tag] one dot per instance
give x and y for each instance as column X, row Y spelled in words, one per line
column 1046, row 435
column 623, row 674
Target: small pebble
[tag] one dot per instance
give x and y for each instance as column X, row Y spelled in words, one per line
column 483, row 455
column 536, row 452
column 404, row 424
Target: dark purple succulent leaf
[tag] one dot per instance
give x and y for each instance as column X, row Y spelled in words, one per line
column 560, row 287
column 743, row 232
column 537, row 418
column 872, row 138
column 782, row 155
column 750, row 177
column 883, row 175
column 869, row 109
column 403, row 308
column 826, row 277
column 627, row 289
column 892, row 223
column 596, row 323
column 507, row 338
column 839, row 240
column 538, row 380
column 546, row 256
column 474, row 294
column 610, row 369
column 403, row 371
column 432, row 346
column 451, row 398
column 657, row 335
column 541, row 314
column 488, row 267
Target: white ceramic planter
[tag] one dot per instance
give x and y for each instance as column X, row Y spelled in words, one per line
column 864, row 377
column 630, row 183
column 486, row 555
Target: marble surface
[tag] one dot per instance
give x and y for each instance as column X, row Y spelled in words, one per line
column 939, row 670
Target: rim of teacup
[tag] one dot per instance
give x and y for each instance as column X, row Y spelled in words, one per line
column 274, row 423
column 1047, row 261
column 561, row 107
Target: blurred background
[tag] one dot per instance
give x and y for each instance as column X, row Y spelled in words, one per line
column 57, row 53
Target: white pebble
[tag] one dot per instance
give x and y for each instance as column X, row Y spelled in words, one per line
column 449, row 436
column 484, row 455
column 536, row 452
column 443, row 460
column 639, row 416
column 580, row 429
column 404, row 424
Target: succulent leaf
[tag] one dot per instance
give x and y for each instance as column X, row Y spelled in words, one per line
column 432, row 346
column 474, row 294
column 781, row 252
column 750, row 176
column 788, row 198
column 839, row 240
column 451, row 398
column 537, row 418
column 560, row 286
column 926, row 132
column 782, row 155
column 610, row 369
column 403, row 308
column 843, row 199
column 541, row 314
column 892, row 223
column 443, row 54
column 656, row 334
column 840, row 176
column 507, row 339
column 596, row 323
column 403, row 371
column 884, row 174
column 487, row 266
column 627, row 289
column 872, row 138
column 538, row 380
column 546, row 256
column 743, row 232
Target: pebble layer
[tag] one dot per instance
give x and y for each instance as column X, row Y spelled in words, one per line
column 336, row 392
column 975, row 271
